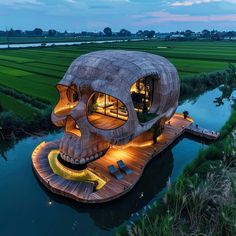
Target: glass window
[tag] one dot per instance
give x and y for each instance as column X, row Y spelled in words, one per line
column 142, row 96
column 106, row 112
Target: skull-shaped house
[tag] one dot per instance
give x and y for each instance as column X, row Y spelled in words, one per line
column 109, row 98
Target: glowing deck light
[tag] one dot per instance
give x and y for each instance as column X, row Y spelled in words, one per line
column 70, row 174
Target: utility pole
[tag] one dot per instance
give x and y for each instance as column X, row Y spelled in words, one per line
column 8, row 42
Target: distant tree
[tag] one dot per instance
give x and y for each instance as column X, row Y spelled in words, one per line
column 84, row 33
column 145, row 33
column 124, row 32
column 139, row 33
column 188, row 33
column 28, row 33
column 100, row 33
column 52, row 32
column 150, row 34
column 215, row 35
column 38, row 32
column 107, row 31
column 18, row 33
column 206, row 33
column 2, row 33
column 230, row 34
column 11, row 33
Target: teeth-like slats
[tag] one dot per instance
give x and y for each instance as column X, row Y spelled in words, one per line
column 82, row 160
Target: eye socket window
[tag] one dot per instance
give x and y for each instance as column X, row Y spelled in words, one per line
column 106, row 112
column 69, row 98
column 142, row 93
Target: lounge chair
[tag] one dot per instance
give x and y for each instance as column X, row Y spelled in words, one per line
column 124, row 167
column 115, row 172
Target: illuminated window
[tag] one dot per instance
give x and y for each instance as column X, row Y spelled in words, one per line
column 106, row 112
column 142, row 96
column 69, row 98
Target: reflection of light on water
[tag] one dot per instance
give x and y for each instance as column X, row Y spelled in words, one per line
column 50, row 202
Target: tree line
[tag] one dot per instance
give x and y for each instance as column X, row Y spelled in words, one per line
column 108, row 32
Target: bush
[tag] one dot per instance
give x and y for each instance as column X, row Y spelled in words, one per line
column 204, row 81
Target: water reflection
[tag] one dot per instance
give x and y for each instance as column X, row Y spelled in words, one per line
column 6, row 145
column 112, row 214
column 26, row 206
column 226, row 94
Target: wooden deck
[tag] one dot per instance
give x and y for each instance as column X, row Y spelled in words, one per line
column 203, row 133
column 136, row 156
column 105, row 122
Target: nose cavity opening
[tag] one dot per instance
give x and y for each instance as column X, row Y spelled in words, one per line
column 69, row 98
column 72, row 127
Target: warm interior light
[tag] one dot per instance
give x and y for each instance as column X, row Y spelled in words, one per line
column 142, row 94
column 106, row 112
column 72, row 127
column 69, row 98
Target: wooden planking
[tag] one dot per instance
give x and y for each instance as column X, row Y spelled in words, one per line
column 105, row 122
column 198, row 131
column 136, row 157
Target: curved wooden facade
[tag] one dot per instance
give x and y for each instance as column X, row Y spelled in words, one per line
column 136, row 156
column 112, row 72
column 100, row 112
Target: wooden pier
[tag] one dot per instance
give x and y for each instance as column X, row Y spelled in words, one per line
column 136, row 156
column 201, row 132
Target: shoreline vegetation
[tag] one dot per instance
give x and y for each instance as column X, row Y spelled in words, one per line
column 17, row 124
column 203, row 199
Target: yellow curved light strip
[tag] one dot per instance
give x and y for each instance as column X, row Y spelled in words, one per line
column 75, row 175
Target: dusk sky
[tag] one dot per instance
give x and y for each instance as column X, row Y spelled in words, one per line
column 94, row 15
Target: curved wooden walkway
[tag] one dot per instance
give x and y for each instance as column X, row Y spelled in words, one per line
column 136, row 157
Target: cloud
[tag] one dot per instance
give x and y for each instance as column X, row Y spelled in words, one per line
column 71, row 1
column 19, row 2
column 195, row 2
column 151, row 18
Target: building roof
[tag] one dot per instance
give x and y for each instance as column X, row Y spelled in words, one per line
column 113, row 72
column 116, row 65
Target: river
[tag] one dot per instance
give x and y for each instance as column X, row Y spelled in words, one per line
column 28, row 45
column 27, row 208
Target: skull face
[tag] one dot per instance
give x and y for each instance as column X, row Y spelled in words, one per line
column 110, row 75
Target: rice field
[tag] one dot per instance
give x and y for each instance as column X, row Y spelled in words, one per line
column 35, row 71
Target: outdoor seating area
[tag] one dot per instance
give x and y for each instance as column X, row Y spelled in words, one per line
column 129, row 163
column 121, row 168
column 121, row 115
column 124, row 168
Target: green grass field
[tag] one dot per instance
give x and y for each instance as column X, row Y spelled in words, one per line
column 35, row 71
column 21, row 109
